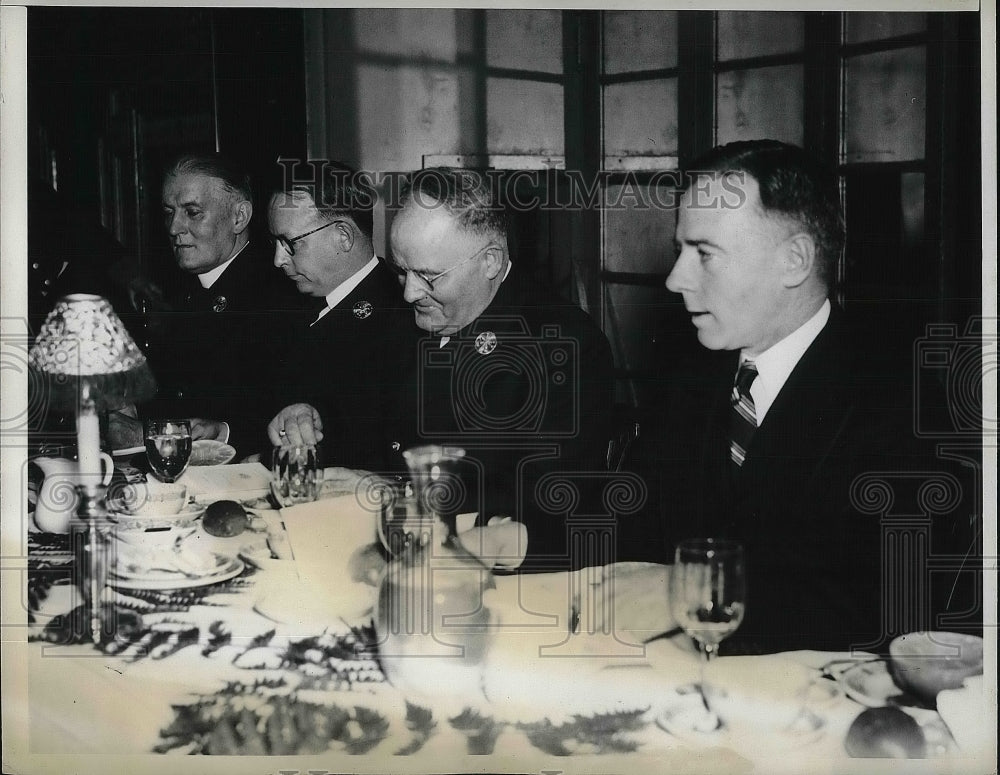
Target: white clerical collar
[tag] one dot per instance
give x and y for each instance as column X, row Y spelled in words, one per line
column 338, row 294
column 775, row 364
column 446, row 339
column 207, row 279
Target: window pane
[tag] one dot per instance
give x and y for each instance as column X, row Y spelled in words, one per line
column 524, row 40
column 764, row 103
column 745, row 34
column 524, row 117
column 871, row 25
column 639, row 227
column 886, row 105
column 388, row 138
column 639, row 40
column 640, row 119
column 421, row 33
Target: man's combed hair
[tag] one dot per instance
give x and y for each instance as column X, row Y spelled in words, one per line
column 465, row 194
column 234, row 178
column 793, row 185
column 336, row 189
column 341, row 193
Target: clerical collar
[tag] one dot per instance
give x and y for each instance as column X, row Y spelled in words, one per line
column 207, row 279
column 446, row 339
column 338, row 294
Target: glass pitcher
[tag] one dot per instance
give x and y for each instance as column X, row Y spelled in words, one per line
column 432, row 622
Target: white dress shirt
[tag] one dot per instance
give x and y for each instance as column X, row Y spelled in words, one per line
column 338, row 294
column 776, row 363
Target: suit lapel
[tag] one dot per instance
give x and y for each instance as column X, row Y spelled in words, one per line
column 804, row 422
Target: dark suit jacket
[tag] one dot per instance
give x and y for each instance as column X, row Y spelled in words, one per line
column 221, row 352
column 829, row 566
column 348, row 364
column 532, row 413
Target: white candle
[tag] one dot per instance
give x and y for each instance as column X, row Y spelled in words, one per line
column 88, row 440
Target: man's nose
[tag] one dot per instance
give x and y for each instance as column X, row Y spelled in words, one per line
column 412, row 289
column 680, row 277
column 280, row 255
column 176, row 225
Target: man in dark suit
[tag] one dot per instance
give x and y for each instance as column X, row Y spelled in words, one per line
column 518, row 378
column 348, row 349
column 219, row 345
column 787, row 435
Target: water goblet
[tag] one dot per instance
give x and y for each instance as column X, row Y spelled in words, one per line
column 168, row 447
column 708, row 593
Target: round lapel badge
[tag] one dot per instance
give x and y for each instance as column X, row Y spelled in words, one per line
column 363, row 309
column 486, row 343
column 220, row 304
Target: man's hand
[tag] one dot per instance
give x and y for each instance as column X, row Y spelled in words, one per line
column 208, row 429
column 124, row 430
column 502, row 543
column 296, row 424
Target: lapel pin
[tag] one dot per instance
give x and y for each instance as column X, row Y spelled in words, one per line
column 220, row 304
column 363, row 309
column 486, row 343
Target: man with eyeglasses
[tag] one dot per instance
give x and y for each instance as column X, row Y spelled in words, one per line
column 518, row 378
column 217, row 341
column 346, row 352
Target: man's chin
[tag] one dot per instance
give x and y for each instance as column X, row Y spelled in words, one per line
column 711, row 340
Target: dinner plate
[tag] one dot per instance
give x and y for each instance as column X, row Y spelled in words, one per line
column 185, row 516
column 208, row 452
column 226, row 568
column 127, row 451
column 688, row 720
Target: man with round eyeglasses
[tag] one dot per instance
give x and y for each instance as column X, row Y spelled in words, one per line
column 346, row 351
column 517, row 377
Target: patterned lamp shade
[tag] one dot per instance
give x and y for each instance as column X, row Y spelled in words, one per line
column 83, row 340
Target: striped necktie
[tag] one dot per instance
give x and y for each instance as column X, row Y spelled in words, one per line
column 743, row 419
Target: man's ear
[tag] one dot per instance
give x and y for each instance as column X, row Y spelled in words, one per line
column 494, row 258
column 798, row 257
column 242, row 213
column 345, row 236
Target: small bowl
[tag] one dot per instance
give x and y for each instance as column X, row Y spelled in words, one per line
column 925, row 663
column 152, row 498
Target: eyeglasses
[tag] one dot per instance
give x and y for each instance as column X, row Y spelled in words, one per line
column 429, row 280
column 288, row 243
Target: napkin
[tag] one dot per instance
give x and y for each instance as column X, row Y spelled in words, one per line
column 572, row 643
column 964, row 712
column 333, row 542
column 241, row 481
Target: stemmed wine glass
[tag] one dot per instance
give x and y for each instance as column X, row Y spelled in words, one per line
column 168, row 447
column 708, row 592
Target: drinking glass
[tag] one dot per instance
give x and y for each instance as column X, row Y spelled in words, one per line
column 708, row 592
column 168, row 447
column 295, row 474
column 433, row 493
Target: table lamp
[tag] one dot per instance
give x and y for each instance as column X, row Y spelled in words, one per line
column 85, row 361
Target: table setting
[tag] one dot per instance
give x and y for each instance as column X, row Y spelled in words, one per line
column 347, row 623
